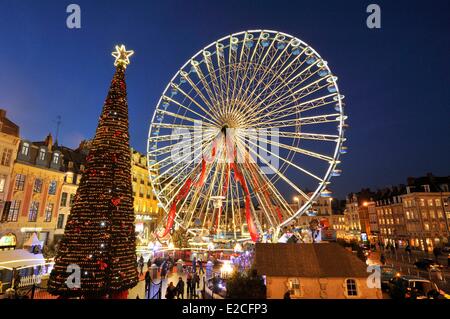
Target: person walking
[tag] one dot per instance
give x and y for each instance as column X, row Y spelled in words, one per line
column 147, row 282
column 171, row 291
column 180, row 288
column 163, row 270
column 141, row 265
column 193, row 286
column 189, row 284
column 194, row 265
column 200, row 267
column 197, row 280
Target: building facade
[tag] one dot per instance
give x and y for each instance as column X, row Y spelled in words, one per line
column 145, row 202
column 34, row 191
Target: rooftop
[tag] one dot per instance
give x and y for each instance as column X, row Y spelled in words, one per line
column 321, row 260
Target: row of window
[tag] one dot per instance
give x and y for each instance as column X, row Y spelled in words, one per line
column 26, row 149
column 19, row 185
column 64, row 197
column 295, row 288
column 14, row 210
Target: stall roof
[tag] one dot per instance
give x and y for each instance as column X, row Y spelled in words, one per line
column 19, row 258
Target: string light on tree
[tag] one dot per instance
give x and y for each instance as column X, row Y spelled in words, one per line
column 99, row 235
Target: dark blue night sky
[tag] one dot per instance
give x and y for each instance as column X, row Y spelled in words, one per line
column 396, row 80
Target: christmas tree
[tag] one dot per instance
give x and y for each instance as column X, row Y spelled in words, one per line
column 99, row 237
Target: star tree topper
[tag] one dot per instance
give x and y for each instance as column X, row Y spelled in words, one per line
column 122, row 56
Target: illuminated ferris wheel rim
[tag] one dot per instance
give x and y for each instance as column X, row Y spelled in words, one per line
column 290, row 41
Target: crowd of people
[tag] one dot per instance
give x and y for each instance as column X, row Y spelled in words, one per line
column 181, row 289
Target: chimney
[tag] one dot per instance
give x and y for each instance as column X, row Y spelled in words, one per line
column 2, row 114
column 49, row 142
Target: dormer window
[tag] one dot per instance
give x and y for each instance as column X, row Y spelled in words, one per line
column 55, row 158
column 42, row 154
column 426, row 188
column 25, row 149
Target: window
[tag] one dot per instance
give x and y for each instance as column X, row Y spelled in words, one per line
column 351, row 288
column 294, row 287
column 48, row 212
column 37, row 188
column 42, row 154
column 2, row 183
column 13, row 211
column 432, row 214
column 440, row 214
column 60, row 223
column 20, row 182
column 438, row 202
column 426, row 226
column 52, row 188
column 424, row 215
column 32, row 214
column 426, row 188
column 72, row 199
column 25, row 149
column 63, row 200
column 407, row 215
column 430, row 202
column 422, row 202
column 6, row 157
column 55, row 158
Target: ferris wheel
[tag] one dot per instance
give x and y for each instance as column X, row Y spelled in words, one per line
column 248, row 121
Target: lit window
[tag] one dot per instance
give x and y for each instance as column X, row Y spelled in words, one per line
column 60, row 223
column 432, row 214
column 48, row 212
column 63, row 202
column 37, row 188
column 426, row 226
column 52, row 188
column 13, row 211
column 42, row 154
column 2, row 183
column 294, row 287
column 32, row 214
column 6, row 157
column 422, row 202
column 20, row 182
column 438, row 202
column 55, row 158
column 25, row 148
column 430, row 202
column 351, row 287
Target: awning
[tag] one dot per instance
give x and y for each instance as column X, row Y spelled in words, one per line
column 33, row 241
column 19, row 258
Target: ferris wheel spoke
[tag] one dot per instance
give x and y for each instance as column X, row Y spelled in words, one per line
column 212, row 74
column 298, row 94
column 208, row 103
column 211, row 121
column 269, row 70
column 276, row 171
column 281, row 76
column 277, row 196
column 290, row 163
column 259, row 66
column 192, row 100
column 286, row 110
column 208, row 123
column 212, row 97
column 316, row 119
column 307, row 136
column 181, row 160
column 185, row 142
